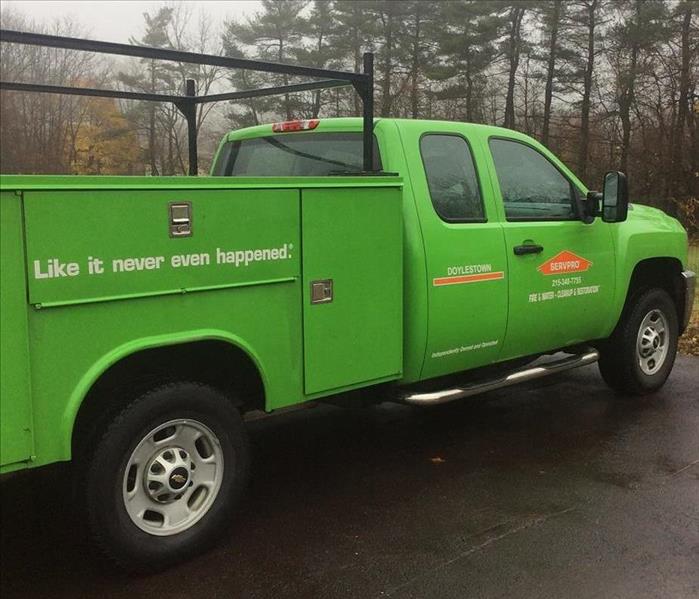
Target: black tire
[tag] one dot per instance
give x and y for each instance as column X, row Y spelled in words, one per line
column 112, row 528
column 619, row 361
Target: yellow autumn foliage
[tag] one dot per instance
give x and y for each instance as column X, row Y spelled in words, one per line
column 105, row 143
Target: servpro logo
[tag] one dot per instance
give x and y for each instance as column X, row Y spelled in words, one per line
column 563, row 263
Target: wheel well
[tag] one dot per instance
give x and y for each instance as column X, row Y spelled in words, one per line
column 665, row 273
column 216, row 363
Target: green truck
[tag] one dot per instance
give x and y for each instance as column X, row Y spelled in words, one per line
column 142, row 318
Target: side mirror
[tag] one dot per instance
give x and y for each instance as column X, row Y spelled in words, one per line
column 615, row 197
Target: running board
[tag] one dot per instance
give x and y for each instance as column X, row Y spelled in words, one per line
column 517, row 376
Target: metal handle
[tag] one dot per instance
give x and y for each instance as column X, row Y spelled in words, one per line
column 530, row 248
column 180, row 219
column 322, row 291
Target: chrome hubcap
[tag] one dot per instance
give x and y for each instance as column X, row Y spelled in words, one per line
column 652, row 343
column 172, row 477
column 168, row 474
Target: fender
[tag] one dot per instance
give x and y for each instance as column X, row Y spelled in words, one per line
column 119, row 353
column 648, row 234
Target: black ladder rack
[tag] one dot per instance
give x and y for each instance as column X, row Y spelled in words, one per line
column 363, row 83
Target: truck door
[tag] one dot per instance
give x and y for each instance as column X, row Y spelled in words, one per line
column 560, row 270
column 464, row 248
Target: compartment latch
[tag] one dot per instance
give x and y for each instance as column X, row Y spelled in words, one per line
column 180, row 219
column 322, row 291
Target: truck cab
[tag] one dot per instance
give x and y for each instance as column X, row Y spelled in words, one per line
column 506, row 253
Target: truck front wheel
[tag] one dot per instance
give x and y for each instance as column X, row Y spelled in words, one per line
column 166, row 476
column 639, row 356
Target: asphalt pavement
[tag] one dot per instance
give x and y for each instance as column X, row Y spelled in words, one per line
column 553, row 489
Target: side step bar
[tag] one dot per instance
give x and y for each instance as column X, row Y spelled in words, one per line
column 517, row 376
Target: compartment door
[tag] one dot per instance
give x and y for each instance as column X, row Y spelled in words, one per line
column 15, row 405
column 352, row 287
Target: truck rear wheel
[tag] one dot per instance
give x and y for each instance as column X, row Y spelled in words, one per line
column 166, row 477
column 639, row 356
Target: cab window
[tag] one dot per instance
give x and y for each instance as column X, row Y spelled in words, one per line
column 532, row 187
column 451, row 178
column 295, row 155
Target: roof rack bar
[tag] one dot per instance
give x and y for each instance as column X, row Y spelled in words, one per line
column 88, row 91
column 271, row 91
column 73, row 43
column 126, row 95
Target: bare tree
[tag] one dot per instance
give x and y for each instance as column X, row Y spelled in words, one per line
column 554, row 17
column 42, row 127
column 513, row 48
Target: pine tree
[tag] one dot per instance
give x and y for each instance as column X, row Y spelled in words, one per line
column 157, row 78
column 466, row 34
column 586, row 17
column 391, row 18
column 163, row 124
column 275, row 33
column 512, row 49
column 353, row 30
column 317, row 51
column 417, row 47
column 681, row 181
column 641, row 25
column 552, row 18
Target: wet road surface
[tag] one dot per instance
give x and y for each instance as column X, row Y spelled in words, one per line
column 554, row 489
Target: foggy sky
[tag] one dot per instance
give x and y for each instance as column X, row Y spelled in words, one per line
column 116, row 21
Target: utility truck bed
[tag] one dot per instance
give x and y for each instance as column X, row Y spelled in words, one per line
column 307, row 274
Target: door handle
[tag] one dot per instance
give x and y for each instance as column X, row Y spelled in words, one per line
column 529, row 248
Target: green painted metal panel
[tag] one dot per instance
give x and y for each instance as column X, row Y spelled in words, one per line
column 72, row 345
column 236, row 278
column 559, row 297
column 550, row 307
column 466, row 266
column 15, row 397
column 415, row 290
column 98, row 244
column 83, row 319
column 647, row 233
column 355, row 240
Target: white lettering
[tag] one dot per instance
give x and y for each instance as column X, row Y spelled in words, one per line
column 53, row 268
column 247, row 257
column 469, row 269
column 37, row 271
column 567, row 265
column 56, row 269
column 464, row 348
column 137, row 264
column 179, row 260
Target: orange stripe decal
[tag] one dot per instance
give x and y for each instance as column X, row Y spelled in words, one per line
column 461, row 279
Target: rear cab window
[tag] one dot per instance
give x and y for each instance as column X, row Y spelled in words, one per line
column 294, row 155
column 452, row 179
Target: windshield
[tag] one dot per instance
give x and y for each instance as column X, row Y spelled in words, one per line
column 293, row 155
